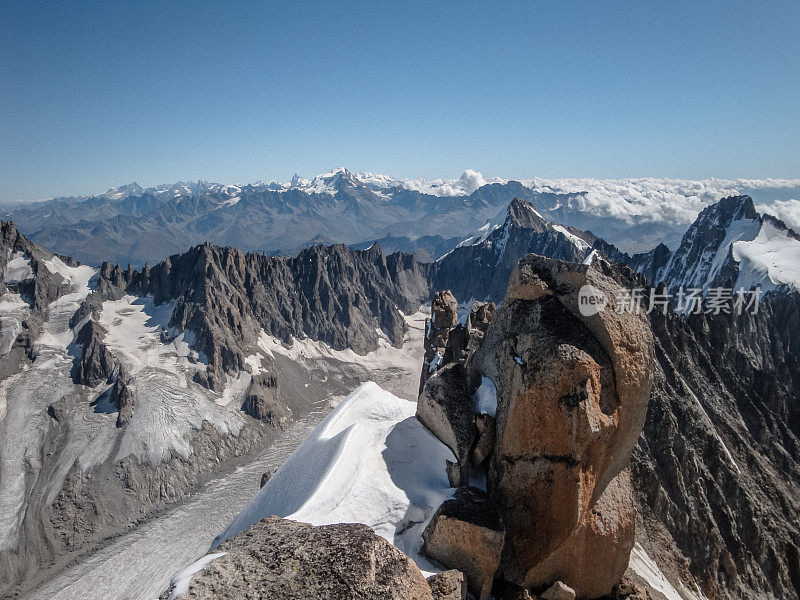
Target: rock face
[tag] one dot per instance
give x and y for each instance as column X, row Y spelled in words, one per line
column 278, row 558
column 466, row 533
column 444, row 316
column 445, row 407
column 263, row 402
column 226, row 298
column 94, row 363
column 121, row 398
column 717, row 470
column 572, row 395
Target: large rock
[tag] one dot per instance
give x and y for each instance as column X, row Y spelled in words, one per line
column 466, row 533
column 444, row 316
column 278, row 558
column 572, row 395
column 445, row 406
column 94, row 362
column 122, row 398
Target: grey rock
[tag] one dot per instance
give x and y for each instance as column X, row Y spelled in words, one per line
column 265, row 477
column 121, row 398
column 558, row 591
column 445, row 406
column 444, row 316
column 278, row 558
column 94, row 363
column 263, row 402
column 448, row 585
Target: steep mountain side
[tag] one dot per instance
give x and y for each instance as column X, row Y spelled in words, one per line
column 480, row 266
column 718, row 465
column 729, row 245
column 228, row 299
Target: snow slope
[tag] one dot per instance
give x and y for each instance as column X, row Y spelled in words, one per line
column 771, row 258
column 370, row 461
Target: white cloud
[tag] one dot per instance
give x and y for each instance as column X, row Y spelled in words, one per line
column 466, row 184
column 787, row 211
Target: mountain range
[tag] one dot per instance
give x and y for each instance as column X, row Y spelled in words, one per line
column 125, row 389
column 131, row 224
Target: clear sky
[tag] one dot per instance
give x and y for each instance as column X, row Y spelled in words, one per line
column 99, row 94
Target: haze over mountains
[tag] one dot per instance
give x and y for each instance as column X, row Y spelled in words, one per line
column 130, row 224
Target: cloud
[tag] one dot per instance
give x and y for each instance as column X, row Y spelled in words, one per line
column 787, row 211
column 463, row 186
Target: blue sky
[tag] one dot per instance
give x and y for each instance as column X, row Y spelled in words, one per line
column 99, row 94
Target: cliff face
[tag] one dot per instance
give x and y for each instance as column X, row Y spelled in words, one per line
column 718, row 466
column 345, row 298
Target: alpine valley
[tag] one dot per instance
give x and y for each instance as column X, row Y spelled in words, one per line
column 357, row 386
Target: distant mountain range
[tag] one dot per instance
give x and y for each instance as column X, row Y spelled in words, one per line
column 131, row 224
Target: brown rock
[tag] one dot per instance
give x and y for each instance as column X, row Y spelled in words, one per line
column 263, row 402
column 448, row 585
column 466, row 533
column 565, row 426
column 486, row 431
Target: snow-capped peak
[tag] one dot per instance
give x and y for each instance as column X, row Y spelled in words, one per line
column 732, row 245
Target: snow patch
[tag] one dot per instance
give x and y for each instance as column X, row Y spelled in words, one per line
column 13, row 310
column 769, row 259
column 486, row 397
column 18, row 269
column 180, row 583
column 648, row 570
column 572, row 238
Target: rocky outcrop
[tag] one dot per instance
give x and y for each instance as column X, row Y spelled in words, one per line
column 445, row 407
column 572, row 395
column 93, row 363
column 466, row 533
column 278, row 558
column 122, row 398
column 444, row 316
column 558, row 591
column 448, row 585
column 263, row 402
